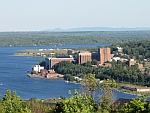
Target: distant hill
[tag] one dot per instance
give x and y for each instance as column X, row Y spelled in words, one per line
column 98, row 29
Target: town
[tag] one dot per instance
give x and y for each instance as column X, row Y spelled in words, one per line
column 102, row 57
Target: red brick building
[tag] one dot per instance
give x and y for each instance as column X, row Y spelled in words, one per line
column 50, row 62
column 104, row 54
column 131, row 62
column 84, row 56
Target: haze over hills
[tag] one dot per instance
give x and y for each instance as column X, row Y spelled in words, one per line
column 98, row 29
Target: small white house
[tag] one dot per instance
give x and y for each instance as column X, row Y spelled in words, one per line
column 37, row 68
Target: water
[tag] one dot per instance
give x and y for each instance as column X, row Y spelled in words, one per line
column 13, row 75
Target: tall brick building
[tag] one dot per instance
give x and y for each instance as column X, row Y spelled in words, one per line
column 84, row 57
column 104, row 54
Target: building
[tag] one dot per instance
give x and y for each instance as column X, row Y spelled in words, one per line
column 37, row 68
column 50, row 62
column 43, row 72
column 104, row 54
column 120, row 49
column 136, row 88
column 101, row 56
column 84, row 56
column 94, row 55
column 131, row 62
column 115, row 59
column 53, row 74
column 140, row 66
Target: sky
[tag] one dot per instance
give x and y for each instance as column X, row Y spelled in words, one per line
column 37, row 15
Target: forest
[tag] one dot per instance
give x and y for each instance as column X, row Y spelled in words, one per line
column 45, row 38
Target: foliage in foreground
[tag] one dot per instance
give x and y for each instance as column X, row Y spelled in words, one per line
column 82, row 102
column 76, row 104
column 11, row 103
column 137, row 105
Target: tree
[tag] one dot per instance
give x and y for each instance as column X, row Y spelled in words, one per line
column 12, row 104
column 94, row 62
column 79, row 103
column 89, row 84
column 108, row 96
column 137, row 105
column 69, row 52
column 37, row 106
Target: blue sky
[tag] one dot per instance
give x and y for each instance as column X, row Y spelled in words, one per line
column 35, row 15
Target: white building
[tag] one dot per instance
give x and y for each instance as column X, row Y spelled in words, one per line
column 37, row 68
column 115, row 58
column 120, row 49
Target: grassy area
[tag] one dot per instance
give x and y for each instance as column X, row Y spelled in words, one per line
column 43, row 52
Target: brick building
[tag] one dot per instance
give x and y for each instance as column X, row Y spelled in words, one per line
column 104, row 54
column 84, row 56
column 131, row 62
column 50, row 62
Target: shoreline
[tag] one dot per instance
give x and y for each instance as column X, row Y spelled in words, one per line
column 133, row 93
column 127, row 92
column 147, row 94
column 34, row 76
column 39, row 76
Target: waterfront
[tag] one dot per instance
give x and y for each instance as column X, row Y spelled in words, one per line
column 13, row 76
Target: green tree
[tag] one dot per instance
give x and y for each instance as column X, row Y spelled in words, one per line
column 12, row 104
column 37, row 106
column 77, row 103
column 89, row 84
column 69, row 52
column 137, row 105
column 108, row 96
column 94, row 62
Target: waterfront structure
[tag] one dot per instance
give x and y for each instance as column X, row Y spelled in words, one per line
column 136, row 88
column 43, row 72
column 84, row 56
column 37, row 68
column 53, row 74
column 50, row 62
